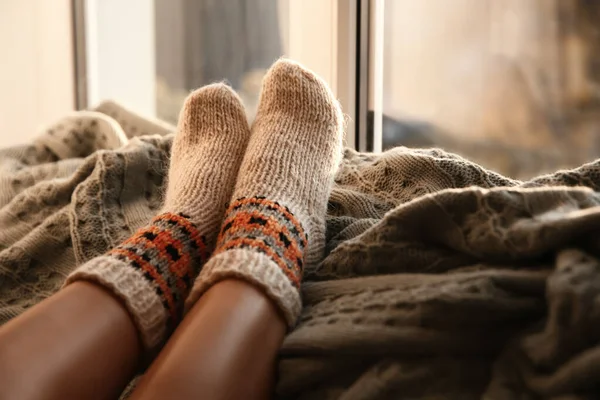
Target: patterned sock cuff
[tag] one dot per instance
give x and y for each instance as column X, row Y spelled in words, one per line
column 167, row 256
column 270, row 230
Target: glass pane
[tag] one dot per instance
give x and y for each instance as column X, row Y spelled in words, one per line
column 203, row 41
column 148, row 55
column 511, row 84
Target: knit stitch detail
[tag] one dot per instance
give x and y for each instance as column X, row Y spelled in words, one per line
column 268, row 228
column 169, row 252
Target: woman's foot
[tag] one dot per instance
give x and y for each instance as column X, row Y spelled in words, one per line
column 153, row 271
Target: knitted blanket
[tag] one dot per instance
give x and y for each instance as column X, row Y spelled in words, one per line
column 442, row 279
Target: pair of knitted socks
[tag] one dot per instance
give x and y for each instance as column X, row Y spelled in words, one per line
column 241, row 203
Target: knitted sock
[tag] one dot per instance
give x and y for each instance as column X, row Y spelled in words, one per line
column 153, row 270
column 276, row 221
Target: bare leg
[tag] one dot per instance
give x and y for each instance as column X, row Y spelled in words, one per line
column 78, row 344
column 81, row 343
column 225, row 348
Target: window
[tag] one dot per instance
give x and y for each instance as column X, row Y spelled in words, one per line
column 148, row 55
column 510, row 84
column 151, row 54
column 200, row 42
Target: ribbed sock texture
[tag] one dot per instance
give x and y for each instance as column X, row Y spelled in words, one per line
column 153, row 271
column 275, row 224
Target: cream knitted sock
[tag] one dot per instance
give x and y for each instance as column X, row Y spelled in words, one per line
column 153, row 270
column 276, row 221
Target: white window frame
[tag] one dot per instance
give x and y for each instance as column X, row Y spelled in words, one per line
column 376, row 65
column 322, row 36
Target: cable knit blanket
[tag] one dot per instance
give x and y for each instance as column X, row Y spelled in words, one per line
column 442, row 280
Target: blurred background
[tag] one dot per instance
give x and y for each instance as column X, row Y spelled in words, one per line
column 511, row 84
column 199, row 42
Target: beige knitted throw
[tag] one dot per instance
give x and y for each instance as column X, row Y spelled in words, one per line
column 443, row 280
